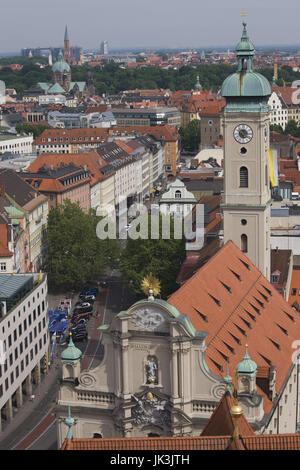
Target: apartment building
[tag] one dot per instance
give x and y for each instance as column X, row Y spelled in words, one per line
column 27, row 201
column 60, row 183
column 279, row 110
column 70, row 140
column 125, row 169
column 166, row 135
column 100, row 177
column 155, row 116
column 24, row 339
column 16, row 144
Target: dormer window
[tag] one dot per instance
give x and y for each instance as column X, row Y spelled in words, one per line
column 275, row 277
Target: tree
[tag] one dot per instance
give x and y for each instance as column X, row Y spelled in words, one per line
column 276, row 128
column 75, row 253
column 292, row 128
column 35, row 129
column 191, row 136
column 162, row 258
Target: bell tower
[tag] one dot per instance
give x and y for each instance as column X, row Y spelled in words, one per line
column 247, row 197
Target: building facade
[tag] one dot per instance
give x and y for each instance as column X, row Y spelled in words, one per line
column 24, row 338
column 246, row 121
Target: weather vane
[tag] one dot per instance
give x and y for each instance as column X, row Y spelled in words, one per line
column 244, row 14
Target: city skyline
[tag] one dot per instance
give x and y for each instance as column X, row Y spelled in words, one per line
column 165, row 25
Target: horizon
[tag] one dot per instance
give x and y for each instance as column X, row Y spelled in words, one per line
column 163, row 25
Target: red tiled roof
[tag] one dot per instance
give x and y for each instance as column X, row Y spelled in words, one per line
column 4, row 252
column 240, row 306
column 221, row 422
column 149, row 443
column 92, row 160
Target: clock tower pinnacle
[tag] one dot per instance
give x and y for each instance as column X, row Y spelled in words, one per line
column 247, row 197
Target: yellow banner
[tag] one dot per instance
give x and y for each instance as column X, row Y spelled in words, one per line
column 272, row 154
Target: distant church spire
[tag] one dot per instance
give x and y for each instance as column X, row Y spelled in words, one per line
column 66, row 34
column 67, row 52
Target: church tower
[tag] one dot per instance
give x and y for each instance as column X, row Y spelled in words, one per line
column 247, row 197
column 67, row 52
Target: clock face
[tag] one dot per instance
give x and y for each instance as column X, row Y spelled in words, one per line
column 243, row 133
column 147, row 319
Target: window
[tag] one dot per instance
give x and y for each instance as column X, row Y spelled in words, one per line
column 244, row 243
column 275, row 278
column 3, row 267
column 243, row 177
column 15, row 335
column 9, row 340
column 178, row 194
column 294, row 291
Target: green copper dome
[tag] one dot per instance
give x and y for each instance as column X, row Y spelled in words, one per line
column 61, row 65
column 245, row 82
column 71, row 353
column 246, row 365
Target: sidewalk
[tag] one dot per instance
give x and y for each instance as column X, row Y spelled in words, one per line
column 32, row 413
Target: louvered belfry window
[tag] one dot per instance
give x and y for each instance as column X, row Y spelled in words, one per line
column 243, row 177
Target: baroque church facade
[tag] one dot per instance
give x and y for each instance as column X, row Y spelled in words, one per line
column 167, row 363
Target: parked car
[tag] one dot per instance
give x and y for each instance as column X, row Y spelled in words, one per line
column 77, row 331
column 82, row 304
column 89, row 291
column 80, row 316
column 82, row 309
column 80, row 336
column 88, row 299
column 81, row 323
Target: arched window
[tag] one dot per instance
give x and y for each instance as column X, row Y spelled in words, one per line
column 244, row 243
column 243, row 177
column 97, row 435
column 178, row 194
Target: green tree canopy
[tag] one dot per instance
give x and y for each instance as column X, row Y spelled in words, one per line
column 191, row 135
column 35, row 129
column 162, row 258
column 75, row 253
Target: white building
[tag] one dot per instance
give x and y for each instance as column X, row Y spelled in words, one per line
column 2, row 92
column 24, row 338
column 52, row 99
column 177, row 200
column 279, row 113
column 16, row 144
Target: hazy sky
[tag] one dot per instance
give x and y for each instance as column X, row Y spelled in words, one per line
column 146, row 23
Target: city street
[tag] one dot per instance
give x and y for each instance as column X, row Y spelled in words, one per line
column 34, row 426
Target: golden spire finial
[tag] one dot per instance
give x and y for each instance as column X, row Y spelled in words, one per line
column 150, row 283
column 236, row 412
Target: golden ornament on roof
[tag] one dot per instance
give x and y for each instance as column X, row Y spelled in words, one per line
column 150, row 283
